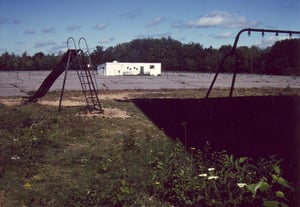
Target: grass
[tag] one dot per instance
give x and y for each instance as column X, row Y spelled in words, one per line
column 50, row 158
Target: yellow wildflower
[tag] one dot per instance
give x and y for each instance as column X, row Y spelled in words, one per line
column 27, row 185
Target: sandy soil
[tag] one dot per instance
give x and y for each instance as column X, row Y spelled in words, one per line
column 76, row 98
column 78, row 101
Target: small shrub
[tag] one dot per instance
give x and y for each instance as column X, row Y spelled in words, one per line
column 219, row 180
column 50, row 159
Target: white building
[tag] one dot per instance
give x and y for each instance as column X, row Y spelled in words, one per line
column 126, row 68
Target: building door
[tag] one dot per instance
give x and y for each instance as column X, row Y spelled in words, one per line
column 142, row 70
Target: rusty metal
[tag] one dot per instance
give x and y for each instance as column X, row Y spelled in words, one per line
column 70, row 57
column 233, row 53
column 81, row 61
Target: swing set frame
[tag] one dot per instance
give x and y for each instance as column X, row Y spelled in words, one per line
column 233, row 53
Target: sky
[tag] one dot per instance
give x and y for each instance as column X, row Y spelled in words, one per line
column 33, row 26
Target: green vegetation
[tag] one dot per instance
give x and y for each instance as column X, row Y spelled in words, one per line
column 49, row 158
column 281, row 58
column 38, row 61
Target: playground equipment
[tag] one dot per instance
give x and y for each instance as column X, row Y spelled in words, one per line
column 233, row 53
column 79, row 60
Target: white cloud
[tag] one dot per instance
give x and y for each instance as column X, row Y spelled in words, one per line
column 16, row 21
column 4, row 20
column 43, row 44
column 213, row 19
column 56, row 49
column 2, row 50
column 73, row 28
column 160, row 35
column 219, row 19
column 49, row 30
column 29, row 31
column 132, row 14
column 100, row 26
column 155, row 22
column 223, row 35
column 270, row 40
column 105, row 41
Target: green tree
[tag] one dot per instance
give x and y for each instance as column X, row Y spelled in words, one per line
column 97, row 55
column 281, row 58
column 38, row 61
column 8, row 61
column 193, row 57
column 108, row 55
column 229, row 64
column 26, row 63
column 211, row 59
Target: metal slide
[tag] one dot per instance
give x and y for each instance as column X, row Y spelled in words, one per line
column 78, row 59
column 55, row 73
column 86, row 75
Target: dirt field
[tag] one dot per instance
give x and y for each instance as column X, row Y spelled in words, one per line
column 17, row 84
column 256, row 122
column 74, row 100
column 21, row 83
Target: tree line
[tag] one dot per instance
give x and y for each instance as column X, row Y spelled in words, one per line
column 283, row 58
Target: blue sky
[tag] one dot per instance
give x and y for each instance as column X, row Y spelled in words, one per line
column 38, row 25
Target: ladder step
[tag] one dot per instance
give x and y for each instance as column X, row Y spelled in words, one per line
column 91, row 97
column 94, row 99
column 88, row 87
column 92, row 102
column 86, row 78
column 83, row 76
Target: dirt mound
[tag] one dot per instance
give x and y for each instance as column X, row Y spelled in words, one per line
column 10, row 101
column 108, row 113
column 74, row 101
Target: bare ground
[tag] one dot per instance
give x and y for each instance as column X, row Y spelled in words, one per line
column 75, row 98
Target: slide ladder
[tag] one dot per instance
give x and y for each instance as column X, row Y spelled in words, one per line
column 84, row 68
column 86, row 75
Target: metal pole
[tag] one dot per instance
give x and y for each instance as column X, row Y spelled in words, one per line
column 234, row 74
column 217, row 73
column 64, row 81
column 66, row 70
column 233, row 52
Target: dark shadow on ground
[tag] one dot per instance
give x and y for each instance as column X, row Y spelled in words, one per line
column 256, row 126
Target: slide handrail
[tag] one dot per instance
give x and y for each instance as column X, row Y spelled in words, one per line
column 86, row 49
column 86, row 53
column 68, row 43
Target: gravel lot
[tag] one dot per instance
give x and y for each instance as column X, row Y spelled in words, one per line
column 19, row 83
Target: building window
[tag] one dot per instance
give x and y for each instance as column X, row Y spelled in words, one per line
column 152, row 67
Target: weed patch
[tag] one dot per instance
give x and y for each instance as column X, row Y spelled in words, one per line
column 49, row 158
